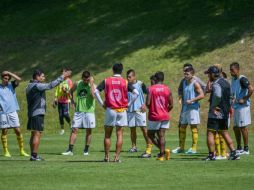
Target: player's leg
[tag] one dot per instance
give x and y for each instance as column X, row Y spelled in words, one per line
column 5, row 142
column 119, row 142
column 148, row 141
column 183, row 123
column 237, row 133
column 20, row 140
column 133, row 139
column 88, row 140
column 244, row 132
column 67, row 113
column 161, row 134
column 72, row 139
column 229, row 142
column 211, row 144
column 152, row 137
column 194, row 132
column 34, row 144
column 108, row 132
column 217, row 145
column 61, row 117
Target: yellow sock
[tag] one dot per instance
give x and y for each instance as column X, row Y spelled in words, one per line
column 149, row 149
column 20, row 142
column 182, row 137
column 217, row 144
column 4, row 142
column 222, row 146
column 194, row 131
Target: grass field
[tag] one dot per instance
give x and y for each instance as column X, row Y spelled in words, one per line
column 89, row 172
column 145, row 35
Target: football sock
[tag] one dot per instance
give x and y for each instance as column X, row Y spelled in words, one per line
column 182, row 136
column 149, row 149
column 194, row 131
column 70, row 147
column 217, row 144
column 246, row 148
column 86, row 148
column 223, row 146
column 20, row 142
column 4, row 142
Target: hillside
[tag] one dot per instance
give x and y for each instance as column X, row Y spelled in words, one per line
column 144, row 35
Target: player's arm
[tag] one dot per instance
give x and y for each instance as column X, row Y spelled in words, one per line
column 245, row 84
column 93, row 86
column 16, row 78
column 171, row 103
column 97, row 91
column 200, row 93
column 54, row 83
column 134, row 92
column 148, row 99
column 180, row 91
column 72, row 90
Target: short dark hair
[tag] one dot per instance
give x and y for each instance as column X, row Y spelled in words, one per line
column 3, row 75
column 235, row 64
column 66, row 69
column 131, row 71
column 159, row 76
column 86, row 74
column 37, row 72
column 187, row 65
column 153, row 78
column 190, row 69
column 118, row 68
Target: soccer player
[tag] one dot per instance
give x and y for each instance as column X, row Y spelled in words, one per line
column 62, row 101
column 241, row 93
column 8, row 111
column 116, row 103
column 136, row 113
column 36, row 107
column 159, row 100
column 191, row 94
column 84, row 117
column 218, row 113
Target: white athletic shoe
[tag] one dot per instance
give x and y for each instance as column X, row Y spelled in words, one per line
column 190, row 151
column 67, row 153
column 220, row 157
column 245, row 152
column 61, row 132
column 86, row 153
column 177, row 150
column 239, row 152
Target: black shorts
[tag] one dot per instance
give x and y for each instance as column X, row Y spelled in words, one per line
column 217, row 124
column 36, row 123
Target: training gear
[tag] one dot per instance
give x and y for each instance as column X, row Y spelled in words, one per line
column 83, row 120
column 178, row 150
column 159, row 105
column 115, row 119
column 191, row 151
column 134, row 149
column 136, row 119
column 157, row 125
column 67, row 153
column 116, row 93
column 242, row 117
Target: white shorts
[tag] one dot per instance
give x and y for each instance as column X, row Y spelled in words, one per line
column 9, row 120
column 115, row 119
column 242, row 117
column 83, row 120
column 136, row 119
column 190, row 117
column 157, row 125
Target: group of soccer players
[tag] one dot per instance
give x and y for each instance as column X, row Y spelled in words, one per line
column 126, row 103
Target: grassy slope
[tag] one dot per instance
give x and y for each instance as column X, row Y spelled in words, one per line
column 144, row 35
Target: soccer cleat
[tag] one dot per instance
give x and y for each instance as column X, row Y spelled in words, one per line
column 38, row 158
column 23, row 153
column 190, row 151
column 247, row 152
column 220, row 158
column 67, row 153
column 6, row 153
column 145, row 155
column 239, row 151
column 134, row 149
column 177, row 150
column 61, row 132
column 160, row 158
column 210, row 158
column 86, row 153
column 234, row 156
column 106, row 160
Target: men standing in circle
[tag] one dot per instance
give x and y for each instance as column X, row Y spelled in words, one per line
column 84, row 117
column 192, row 93
column 137, row 114
column 62, row 101
column 159, row 100
column 218, row 113
column 8, row 111
column 36, row 107
column 116, row 103
column 241, row 93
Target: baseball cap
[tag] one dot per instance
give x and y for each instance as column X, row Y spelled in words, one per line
column 212, row 70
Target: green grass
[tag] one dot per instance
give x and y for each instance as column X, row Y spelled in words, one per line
column 74, row 172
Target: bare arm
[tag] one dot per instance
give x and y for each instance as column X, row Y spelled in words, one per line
column 200, row 92
column 148, row 99
column 93, row 86
column 171, row 103
column 17, row 79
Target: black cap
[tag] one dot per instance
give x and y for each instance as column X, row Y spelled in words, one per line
column 212, row 70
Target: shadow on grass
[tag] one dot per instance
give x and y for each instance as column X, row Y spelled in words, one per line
column 92, row 34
